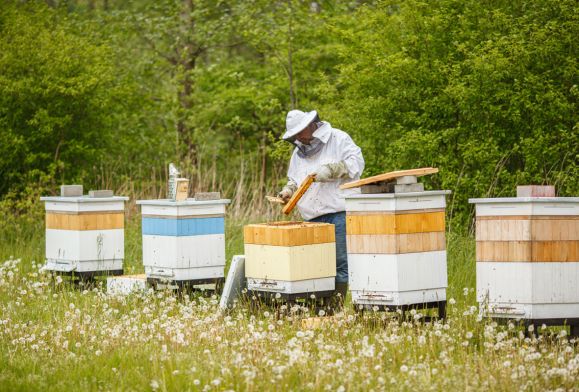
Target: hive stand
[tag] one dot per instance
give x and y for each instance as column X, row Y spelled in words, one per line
column 396, row 243
column 527, row 257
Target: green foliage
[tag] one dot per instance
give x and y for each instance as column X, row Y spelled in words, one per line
column 57, row 93
column 486, row 91
column 108, row 93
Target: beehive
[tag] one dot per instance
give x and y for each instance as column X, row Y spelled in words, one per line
column 85, row 235
column 290, row 257
column 397, row 248
column 527, row 257
column 184, row 240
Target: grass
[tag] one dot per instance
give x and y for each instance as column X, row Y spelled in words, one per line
column 55, row 336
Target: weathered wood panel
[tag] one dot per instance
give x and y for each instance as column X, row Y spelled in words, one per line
column 531, row 251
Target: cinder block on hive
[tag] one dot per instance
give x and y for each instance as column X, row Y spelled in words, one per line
column 204, row 196
column 100, row 193
column 391, row 187
column 535, row 191
column 406, row 180
column 70, row 190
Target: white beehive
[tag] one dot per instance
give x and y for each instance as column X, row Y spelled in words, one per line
column 397, row 248
column 527, row 257
column 85, row 235
column 184, row 240
column 290, row 257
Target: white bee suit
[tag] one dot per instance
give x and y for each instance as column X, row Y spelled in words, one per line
column 326, row 197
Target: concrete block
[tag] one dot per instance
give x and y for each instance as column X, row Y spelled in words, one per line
column 126, row 284
column 100, row 193
column 380, row 187
column 71, row 190
column 405, row 188
column 203, row 196
column 391, row 187
column 405, row 180
column 535, row 191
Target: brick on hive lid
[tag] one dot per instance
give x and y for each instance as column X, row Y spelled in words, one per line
column 100, row 193
column 205, row 196
column 71, row 190
column 535, row 191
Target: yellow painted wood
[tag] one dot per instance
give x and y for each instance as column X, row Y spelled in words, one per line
column 395, row 224
column 289, row 233
column 290, row 263
column 529, row 251
column 396, row 243
column 94, row 221
column 527, row 230
column 390, row 176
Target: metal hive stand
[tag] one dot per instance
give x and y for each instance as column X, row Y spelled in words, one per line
column 440, row 305
column 187, row 285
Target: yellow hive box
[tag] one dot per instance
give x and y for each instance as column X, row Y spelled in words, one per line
column 290, row 251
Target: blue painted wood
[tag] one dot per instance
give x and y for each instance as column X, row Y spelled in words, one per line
column 183, row 227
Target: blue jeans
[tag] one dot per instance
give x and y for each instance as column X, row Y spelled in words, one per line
column 338, row 219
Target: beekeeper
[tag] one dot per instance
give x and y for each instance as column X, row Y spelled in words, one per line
column 333, row 157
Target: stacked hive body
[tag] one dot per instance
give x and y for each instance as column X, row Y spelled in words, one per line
column 85, row 235
column 184, row 241
column 527, row 257
column 290, row 257
column 397, row 248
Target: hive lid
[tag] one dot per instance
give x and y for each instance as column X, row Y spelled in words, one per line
column 384, row 177
column 524, row 200
column 396, row 195
column 288, row 224
column 188, row 202
column 83, row 199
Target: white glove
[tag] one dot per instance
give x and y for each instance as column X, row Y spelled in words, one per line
column 331, row 172
column 288, row 190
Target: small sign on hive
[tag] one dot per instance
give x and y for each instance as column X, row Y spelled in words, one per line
column 290, row 257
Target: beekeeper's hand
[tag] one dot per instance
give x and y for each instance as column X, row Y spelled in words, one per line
column 288, row 190
column 331, row 172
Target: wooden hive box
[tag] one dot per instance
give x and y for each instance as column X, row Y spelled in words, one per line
column 397, row 248
column 290, row 256
column 527, row 257
column 85, row 235
column 184, row 240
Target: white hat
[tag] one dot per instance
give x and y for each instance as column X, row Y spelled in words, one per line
column 296, row 121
